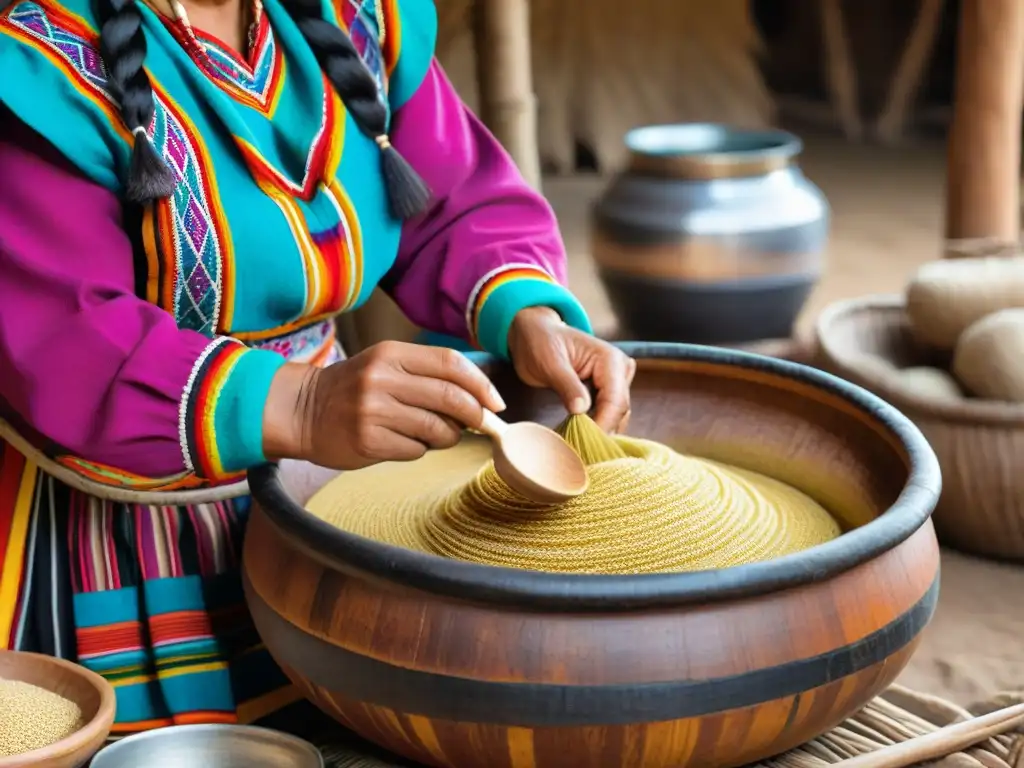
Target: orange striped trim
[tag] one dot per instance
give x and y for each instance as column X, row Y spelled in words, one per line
column 392, row 45
column 332, row 262
column 199, row 409
column 180, row 626
column 202, row 718
column 265, row 103
column 109, row 638
column 494, row 280
column 160, row 224
column 76, row 25
column 108, row 475
column 325, row 144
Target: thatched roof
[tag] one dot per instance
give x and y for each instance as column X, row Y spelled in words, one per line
column 602, row 67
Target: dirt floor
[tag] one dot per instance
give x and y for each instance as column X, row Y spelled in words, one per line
column 887, row 219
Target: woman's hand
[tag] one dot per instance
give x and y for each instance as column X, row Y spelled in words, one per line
column 391, row 402
column 548, row 353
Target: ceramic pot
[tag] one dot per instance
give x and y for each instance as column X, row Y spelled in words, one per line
column 711, row 235
column 461, row 665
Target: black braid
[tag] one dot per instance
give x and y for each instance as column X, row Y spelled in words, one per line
column 357, row 88
column 123, row 48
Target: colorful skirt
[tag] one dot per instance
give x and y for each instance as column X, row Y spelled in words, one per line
column 149, row 597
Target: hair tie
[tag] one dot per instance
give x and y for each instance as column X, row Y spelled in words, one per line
column 140, row 131
column 383, row 142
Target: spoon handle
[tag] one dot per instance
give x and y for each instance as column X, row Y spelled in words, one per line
column 942, row 742
column 493, row 425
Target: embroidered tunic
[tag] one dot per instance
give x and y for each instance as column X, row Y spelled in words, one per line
column 137, row 346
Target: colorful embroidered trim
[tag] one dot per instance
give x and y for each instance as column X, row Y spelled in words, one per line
column 188, row 229
column 67, row 41
column 258, row 82
column 199, row 408
column 108, row 475
column 491, row 282
column 374, row 28
column 332, row 259
column 186, row 237
column 307, row 345
column 325, row 144
column 392, row 42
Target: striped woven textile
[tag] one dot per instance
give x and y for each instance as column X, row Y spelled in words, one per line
column 149, row 597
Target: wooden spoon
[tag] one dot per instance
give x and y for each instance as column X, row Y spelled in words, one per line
column 942, row 742
column 534, row 460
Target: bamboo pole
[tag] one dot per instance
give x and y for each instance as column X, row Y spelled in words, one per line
column 983, row 162
column 906, row 81
column 507, row 102
column 841, row 70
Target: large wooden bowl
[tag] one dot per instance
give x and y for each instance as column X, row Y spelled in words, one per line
column 979, row 443
column 468, row 666
column 89, row 691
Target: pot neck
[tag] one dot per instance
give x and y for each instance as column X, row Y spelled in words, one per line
column 708, row 151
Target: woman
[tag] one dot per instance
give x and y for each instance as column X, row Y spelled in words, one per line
column 190, row 193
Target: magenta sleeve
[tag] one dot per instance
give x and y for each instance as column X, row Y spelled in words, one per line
column 83, row 361
column 489, row 246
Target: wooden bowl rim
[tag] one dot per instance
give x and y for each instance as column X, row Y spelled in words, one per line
column 99, row 725
column 963, row 411
column 543, row 591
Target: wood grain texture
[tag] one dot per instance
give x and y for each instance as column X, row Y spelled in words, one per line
column 720, row 668
column 796, row 663
column 984, row 148
column 728, row 738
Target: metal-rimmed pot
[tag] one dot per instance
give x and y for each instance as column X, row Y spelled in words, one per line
column 711, row 234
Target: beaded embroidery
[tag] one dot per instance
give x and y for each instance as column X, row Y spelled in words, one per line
column 32, row 19
column 361, row 19
column 193, row 234
column 260, row 81
column 192, row 231
column 302, row 346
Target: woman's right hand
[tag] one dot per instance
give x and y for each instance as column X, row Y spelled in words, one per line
column 391, row 402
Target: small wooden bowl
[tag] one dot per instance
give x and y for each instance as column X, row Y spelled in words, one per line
column 456, row 665
column 89, row 691
column 979, row 443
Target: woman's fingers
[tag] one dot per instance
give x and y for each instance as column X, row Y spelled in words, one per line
column 613, row 375
column 444, row 398
column 381, row 443
column 452, row 367
column 427, row 428
column 566, row 383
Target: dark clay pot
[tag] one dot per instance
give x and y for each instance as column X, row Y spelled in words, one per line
column 711, row 235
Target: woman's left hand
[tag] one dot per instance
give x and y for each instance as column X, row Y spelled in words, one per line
column 548, row 353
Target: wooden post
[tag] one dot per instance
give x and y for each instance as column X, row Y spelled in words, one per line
column 504, row 73
column 906, row 81
column 841, row 70
column 983, row 163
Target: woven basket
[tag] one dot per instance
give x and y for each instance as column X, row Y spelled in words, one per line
column 979, row 443
column 895, row 716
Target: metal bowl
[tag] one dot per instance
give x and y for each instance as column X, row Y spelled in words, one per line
column 224, row 746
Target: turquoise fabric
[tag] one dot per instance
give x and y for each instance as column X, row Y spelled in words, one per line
column 238, row 419
column 222, row 234
column 501, row 307
column 419, row 36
